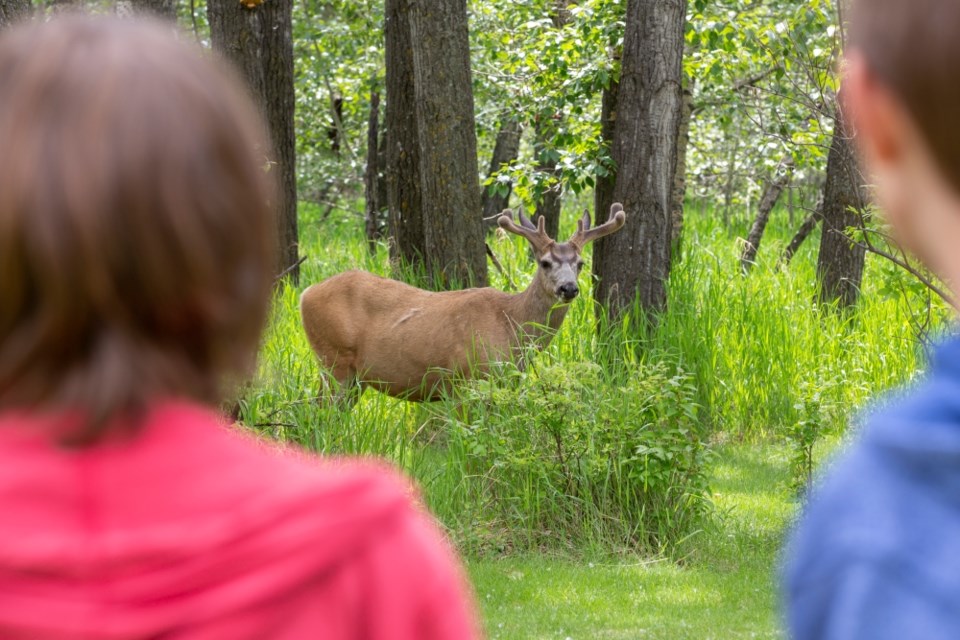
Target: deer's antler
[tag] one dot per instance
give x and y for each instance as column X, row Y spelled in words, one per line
column 537, row 235
column 585, row 234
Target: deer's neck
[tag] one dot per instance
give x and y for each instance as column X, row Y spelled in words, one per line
column 534, row 309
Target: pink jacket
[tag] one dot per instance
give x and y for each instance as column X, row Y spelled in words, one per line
column 193, row 530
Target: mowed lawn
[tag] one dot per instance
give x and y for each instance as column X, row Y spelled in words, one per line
column 727, row 588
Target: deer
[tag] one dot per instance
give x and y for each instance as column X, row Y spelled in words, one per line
column 370, row 331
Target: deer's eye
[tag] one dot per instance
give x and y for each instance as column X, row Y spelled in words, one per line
column 546, row 264
column 579, row 266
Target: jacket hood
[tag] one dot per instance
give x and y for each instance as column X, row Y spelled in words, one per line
column 186, row 520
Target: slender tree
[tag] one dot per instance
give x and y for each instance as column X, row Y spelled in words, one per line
column 680, row 174
column 403, row 156
column 372, row 177
column 768, row 201
column 635, row 263
column 505, row 150
column 430, row 124
column 605, row 183
column 256, row 37
column 551, row 201
column 806, row 228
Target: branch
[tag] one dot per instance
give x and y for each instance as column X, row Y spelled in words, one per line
column 749, row 81
column 738, row 86
column 499, row 266
column 906, row 266
column 287, row 271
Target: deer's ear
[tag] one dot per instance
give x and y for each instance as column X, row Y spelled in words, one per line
column 585, row 219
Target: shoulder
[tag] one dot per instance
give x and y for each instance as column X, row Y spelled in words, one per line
column 415, row 582
column 894, row 491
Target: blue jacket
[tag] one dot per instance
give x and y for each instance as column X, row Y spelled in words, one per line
column 877, row 553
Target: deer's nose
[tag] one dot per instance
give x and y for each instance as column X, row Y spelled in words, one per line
column 568, row 291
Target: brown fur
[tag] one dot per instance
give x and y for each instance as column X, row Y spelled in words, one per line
column 409, row 343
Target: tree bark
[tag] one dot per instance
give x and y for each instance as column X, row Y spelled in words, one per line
column 403, row 155
column 60, row 6
column 236, row 33
column 451, row 243
column 258, row 41
column 449, row 178
column 841, row 261
column 680, row 175
column 635, row 262
column 505, row 151
column 767, row 202
column 809, row 224
column 13, row 11
column 550, row 202
column 604, row 184
column 277, row 56
column 372, row 176
column 166, row 9
column 335, row 131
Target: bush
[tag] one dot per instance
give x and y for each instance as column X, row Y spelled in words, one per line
column 562, row 455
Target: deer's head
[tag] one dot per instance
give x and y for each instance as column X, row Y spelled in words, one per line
column 560, row 262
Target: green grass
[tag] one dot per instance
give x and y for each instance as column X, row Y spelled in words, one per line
column 726, row 590
column 754, row 349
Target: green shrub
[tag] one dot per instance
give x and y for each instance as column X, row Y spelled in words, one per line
column 563, row 455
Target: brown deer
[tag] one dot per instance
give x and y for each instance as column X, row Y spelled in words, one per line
column 409, row 343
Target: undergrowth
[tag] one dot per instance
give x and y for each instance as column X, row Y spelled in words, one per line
column 600, row 444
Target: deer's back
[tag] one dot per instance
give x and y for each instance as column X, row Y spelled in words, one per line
column 396, row 332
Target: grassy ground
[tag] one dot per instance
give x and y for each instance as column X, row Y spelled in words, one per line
column 758, row 353
column 726, row 590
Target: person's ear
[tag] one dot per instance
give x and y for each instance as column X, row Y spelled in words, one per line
column 876, row 116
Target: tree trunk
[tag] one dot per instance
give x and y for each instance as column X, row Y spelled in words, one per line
column 403, row 155
column 604, row 184
column 335, row 131
column 550, row 202
column 728, row 188
column 12, row 11
column 258, row 41
column 769, row 199
column 451, row 243
column 443, row 87
column 236, row 33
column 809, row 224
column 680, row 175
column 840, row 265
column 166, row 9
column 636, row 261
column 372, row 175
column 60, row 6
column 505, row 151
column 791, row 208
column 277, row 52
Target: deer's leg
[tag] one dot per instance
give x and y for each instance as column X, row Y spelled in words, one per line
column 350, row 391
column 348, row 387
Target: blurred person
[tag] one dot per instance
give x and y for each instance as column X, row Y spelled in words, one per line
column 877, row 553
column 135, row 276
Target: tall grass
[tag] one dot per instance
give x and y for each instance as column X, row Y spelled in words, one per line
column 750, row 351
